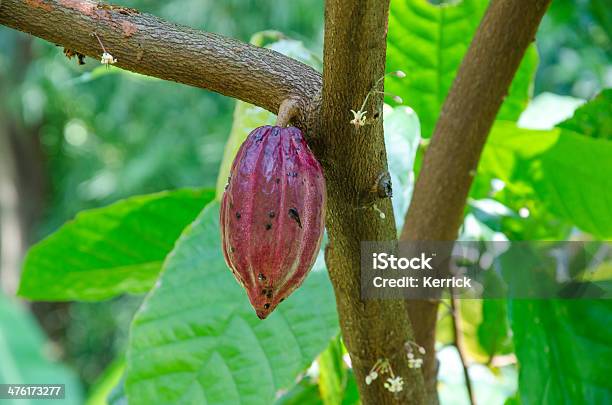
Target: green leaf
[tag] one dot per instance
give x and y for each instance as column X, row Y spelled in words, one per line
column 196, row 338
column 494, row 332
column 428, row 43
column 594, row 119
column 332, row 374
column 547, row 110
column 402, row 137
column 112, row 250
column 564, row 349
column 23, row 358
column 568, row 173
column 305, row 392
column 351, row 391
column 247, row 116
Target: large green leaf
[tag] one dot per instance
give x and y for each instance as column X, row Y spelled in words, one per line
column 23, row 359
column 428, row 42
column 196, row 338
column 112, row 250
column 564, row 349
column 566, row 172
column 247, row 116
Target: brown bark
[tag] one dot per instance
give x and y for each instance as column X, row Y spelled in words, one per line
column 146, row 44
column 451, row 161
column 353, row 160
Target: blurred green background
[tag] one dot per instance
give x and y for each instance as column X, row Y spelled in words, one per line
column 75, row 137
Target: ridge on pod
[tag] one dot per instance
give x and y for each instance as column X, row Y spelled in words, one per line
column 272, row 215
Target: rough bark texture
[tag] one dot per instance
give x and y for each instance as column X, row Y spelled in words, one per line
column 148, row 45
column 353, row 159
column 451, row 161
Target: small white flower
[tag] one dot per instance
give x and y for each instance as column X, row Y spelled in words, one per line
column 399, row 73
column 395, row 384
column 371, row 377
column 359, row 118
column 398, row 99
column 108, row 59
column 415, row 363
column 410, row 355
column 421, row 350
column 380, row 213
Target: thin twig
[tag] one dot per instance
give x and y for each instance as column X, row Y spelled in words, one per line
column 458, row 342
column 99, row 41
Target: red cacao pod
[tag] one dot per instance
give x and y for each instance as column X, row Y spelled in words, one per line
column 272, row 215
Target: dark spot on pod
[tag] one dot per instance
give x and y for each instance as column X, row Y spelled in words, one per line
column 269, row 294
column 268, row 226
column 277, row 181
column 258, row 137
column 292, row 174
column 271, row 214
column 266, row 305
column 232, row 250
column 261, row 277
column 238, row 215
column 231, row 205
column 264, row 291
column 281, row 300
column 293, row 214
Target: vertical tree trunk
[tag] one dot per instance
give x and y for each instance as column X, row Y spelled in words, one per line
column 353, row 160
column 451, row 161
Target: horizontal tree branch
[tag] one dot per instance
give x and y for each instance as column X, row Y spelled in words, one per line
column 146, row 44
